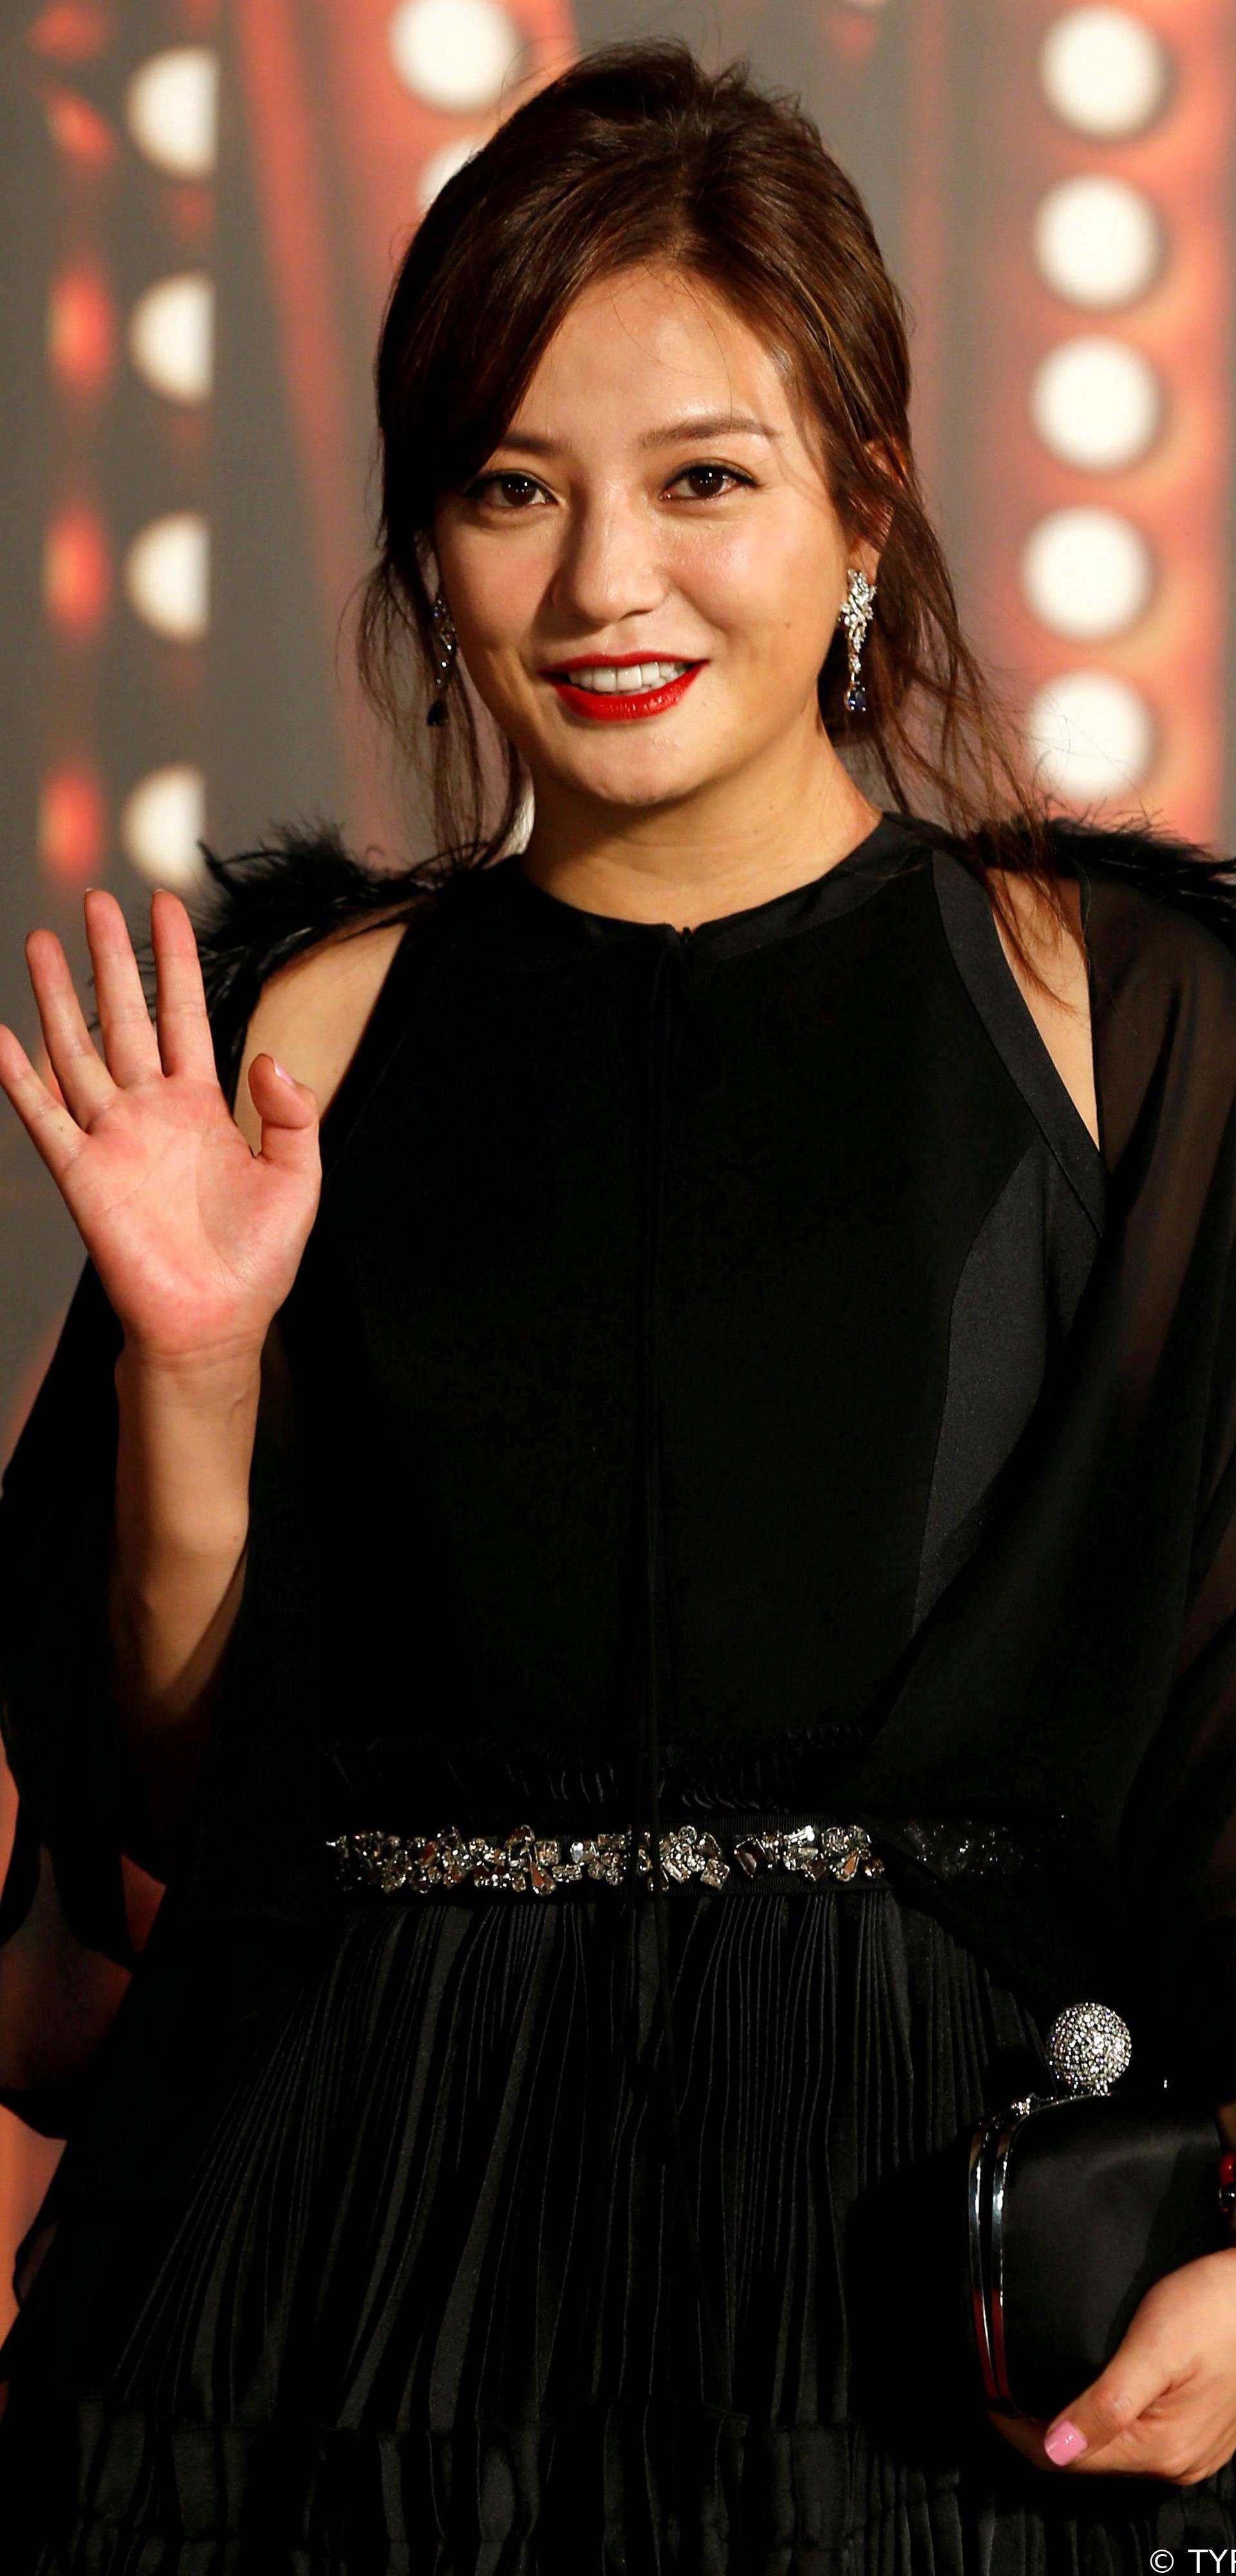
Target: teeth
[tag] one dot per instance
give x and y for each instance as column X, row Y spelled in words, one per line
column 604, row 678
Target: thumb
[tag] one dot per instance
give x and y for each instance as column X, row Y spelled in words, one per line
column 1136, row 2374
column 288, row 1110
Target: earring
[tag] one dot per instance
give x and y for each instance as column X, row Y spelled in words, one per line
column 446, row 644
column 856, row 616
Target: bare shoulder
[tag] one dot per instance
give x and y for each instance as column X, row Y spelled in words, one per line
column 312, row 1011
column 1062, row 1013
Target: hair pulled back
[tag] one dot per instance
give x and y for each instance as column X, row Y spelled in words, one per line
column 637, row 153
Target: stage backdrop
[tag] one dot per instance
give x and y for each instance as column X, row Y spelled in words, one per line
column 202, row 204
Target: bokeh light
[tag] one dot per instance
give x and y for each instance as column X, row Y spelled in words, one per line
column 71, row 825
column 443, row 164
column 1104, row 72
column 81, row 329
column 1087, row 573
column 171, row 337
column 161, row 819
column 454, row 54
column 1098, row 241
column 1092, row 735
column 79, row 130
column 77, row 571
column 171, row 109
column 71, row 31
column 1096, row 402
column 166, row 575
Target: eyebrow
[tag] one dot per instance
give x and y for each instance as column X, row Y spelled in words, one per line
column 711, row 424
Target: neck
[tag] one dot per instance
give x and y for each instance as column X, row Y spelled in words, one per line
column 732, row 843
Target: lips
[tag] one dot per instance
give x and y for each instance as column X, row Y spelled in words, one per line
column 613, row 706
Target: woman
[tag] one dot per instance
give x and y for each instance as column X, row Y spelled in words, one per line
column 751, row 1367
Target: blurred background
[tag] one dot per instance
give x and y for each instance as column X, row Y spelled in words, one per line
column 203, row 201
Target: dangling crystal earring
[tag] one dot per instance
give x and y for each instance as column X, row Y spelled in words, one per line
column 446, row 641
column 856, row 616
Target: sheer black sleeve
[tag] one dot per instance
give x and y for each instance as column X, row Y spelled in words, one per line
column 1181, row 1828
column 68, row 1896
column 1171, row 1076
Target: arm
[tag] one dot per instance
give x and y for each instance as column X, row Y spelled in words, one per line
column 186, row 1433
column 1165, row 2405
column 129, row 1488
column 124, row 1516
column 176, row 1572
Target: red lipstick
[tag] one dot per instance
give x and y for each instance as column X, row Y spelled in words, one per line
column 608, row 706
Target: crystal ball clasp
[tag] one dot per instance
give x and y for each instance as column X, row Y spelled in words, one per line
column 1088, row 2047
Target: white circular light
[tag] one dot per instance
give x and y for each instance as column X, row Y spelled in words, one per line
column 166, row 575
column 1092, row 735
column 160, row 821
column 1096, row 402
column 1104, row 72
column 171, row 337
column 443, row 164
column 1097, row 241
column 1087, row 573
column 455, row 54
column 171, row 108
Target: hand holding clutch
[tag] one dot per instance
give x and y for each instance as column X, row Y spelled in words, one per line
column 1165, row 2406
column 1099, row 2263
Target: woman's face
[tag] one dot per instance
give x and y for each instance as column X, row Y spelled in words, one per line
column 654, row 497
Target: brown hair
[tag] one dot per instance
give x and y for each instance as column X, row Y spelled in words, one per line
column 637, row 154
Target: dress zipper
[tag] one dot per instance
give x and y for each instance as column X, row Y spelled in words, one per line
column 661, row 1031
column 664, row 998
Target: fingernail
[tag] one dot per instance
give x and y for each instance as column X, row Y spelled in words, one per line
column 1064, row 2442
column 282, row 1070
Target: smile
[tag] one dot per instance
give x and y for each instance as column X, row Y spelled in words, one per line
column 613, row 692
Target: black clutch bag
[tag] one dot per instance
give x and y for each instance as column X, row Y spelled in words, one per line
column 1075, row 2204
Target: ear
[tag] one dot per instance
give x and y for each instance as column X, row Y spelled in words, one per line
column 892, row 459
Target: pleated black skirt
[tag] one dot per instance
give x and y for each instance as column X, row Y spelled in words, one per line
column 428, row 2309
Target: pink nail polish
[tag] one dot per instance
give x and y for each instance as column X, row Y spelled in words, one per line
column 1064, row 2442
column 282, row 1070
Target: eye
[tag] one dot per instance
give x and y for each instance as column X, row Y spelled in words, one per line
column 488, row 487
column 725, row 473
column 510, row 490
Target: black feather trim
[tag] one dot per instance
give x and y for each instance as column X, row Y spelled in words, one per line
column 265, row 906
column 1142, row 853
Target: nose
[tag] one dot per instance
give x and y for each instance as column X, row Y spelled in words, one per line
column 608, row 567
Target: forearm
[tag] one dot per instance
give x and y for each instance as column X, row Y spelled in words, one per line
column 184, row 1453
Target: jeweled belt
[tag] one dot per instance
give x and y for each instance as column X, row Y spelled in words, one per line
column 537, row 1863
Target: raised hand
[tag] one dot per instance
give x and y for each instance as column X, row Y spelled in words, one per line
column 195, row 1238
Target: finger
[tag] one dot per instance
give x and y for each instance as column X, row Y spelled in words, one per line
column 1107, row 2412
column 289, row 1113
column 129, row 1040
column 52, row 1078
column 185, row 1043
column 84, row 1082
column 52, row 1130
column 1145, row 2447
column 1153, row 2447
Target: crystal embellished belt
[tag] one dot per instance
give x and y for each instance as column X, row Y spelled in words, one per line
column 539, row 1862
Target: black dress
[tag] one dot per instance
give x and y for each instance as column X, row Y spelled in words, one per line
column 681, row 1311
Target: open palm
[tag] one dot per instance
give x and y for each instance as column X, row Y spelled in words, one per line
column 195, row 1238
